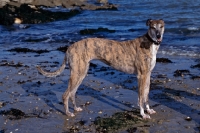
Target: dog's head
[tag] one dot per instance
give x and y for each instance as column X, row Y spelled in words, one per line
column 156, row 30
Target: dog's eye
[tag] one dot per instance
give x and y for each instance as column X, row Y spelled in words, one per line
column 153, row 27
column 161, row 26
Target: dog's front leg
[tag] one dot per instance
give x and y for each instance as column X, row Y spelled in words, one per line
column 146, row 95
column 143, row 84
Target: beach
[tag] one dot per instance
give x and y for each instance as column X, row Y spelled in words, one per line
column 37, row 105
column 30, row 102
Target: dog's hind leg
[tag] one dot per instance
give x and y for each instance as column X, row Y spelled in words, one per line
column 77, row 74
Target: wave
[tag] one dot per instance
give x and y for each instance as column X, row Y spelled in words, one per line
column 193, row 28
column 191, row 51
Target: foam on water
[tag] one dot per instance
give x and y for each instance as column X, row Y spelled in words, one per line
column 191, row 51
column 193, row 28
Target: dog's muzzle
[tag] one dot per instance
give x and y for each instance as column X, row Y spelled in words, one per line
column 158, row 36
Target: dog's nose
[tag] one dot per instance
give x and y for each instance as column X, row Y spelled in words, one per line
column 158, row 35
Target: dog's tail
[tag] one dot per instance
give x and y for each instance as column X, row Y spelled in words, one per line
column 55, row 73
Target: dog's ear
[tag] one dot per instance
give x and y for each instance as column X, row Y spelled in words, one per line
column 162, row 20
column 148, row 22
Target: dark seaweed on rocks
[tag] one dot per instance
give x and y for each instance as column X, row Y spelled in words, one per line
column 179, row 73
column 118, row 121
column 107, row 7
column 30, row 15
column 12, row 64
column 63, row 48
column 26, row 50
column 13, row 113
column 196, row 66
column 163, row 60
column 16, row 114
column 93, row 31
column 194, row 77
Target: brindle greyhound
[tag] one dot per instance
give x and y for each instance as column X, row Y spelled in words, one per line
column 132, row 56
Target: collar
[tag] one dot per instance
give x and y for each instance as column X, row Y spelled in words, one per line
column 150, row 39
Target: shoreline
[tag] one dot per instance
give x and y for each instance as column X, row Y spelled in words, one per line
column 103, row 94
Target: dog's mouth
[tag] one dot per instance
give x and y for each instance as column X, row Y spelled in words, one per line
column 159, row 40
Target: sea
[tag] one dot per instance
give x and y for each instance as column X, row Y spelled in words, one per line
column 181, row 37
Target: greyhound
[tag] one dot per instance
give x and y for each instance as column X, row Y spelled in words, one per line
column 133, row 56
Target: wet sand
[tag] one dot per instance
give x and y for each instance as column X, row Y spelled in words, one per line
column 30, row 102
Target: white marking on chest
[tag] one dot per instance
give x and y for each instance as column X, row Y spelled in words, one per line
column 154, row 49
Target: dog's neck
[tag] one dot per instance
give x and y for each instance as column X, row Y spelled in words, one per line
column 150, row 39
column 147, row 42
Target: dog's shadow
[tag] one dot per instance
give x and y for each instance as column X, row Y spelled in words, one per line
column 51, row 94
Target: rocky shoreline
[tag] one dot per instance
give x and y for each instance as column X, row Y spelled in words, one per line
column 108, row 97
column 33, row 12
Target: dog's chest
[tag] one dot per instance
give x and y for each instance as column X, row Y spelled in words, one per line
column 154, row 49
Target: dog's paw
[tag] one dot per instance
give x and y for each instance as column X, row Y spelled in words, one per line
column 145, row 116
column 70, row 114
column 78, row 109
column 151, row 111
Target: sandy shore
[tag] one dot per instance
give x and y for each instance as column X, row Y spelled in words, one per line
column 30, row 102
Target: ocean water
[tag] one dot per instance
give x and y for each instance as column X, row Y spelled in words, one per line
column 181, row 38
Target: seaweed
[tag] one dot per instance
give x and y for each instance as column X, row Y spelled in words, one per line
column 195, row 66
column 179, row 73
column 16, row 114
column 93, row 31
column 118, row 121
column 163, row 60
column 27, row 50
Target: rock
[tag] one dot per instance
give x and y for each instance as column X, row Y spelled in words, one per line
column 2, row 104
column 65, row 3
column 196, row 66
column 163, row 60
column 30, row 11
column 18, row 21
column 93, row 31
column 24, row 14
column 63, row 48
column 3, row 3
column 48, row 3
column 13, row 113
column 188, row 118
column 178, row 73
column 102, row 1
column 26, row 50
column 195, row 77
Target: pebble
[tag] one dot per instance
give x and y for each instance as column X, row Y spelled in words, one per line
column 169, row 80
column 160, row 121
column 1, row 104
column 187, row 127
column 100, row 112
column 188, row 118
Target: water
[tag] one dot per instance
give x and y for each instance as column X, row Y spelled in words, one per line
column 182, row 34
